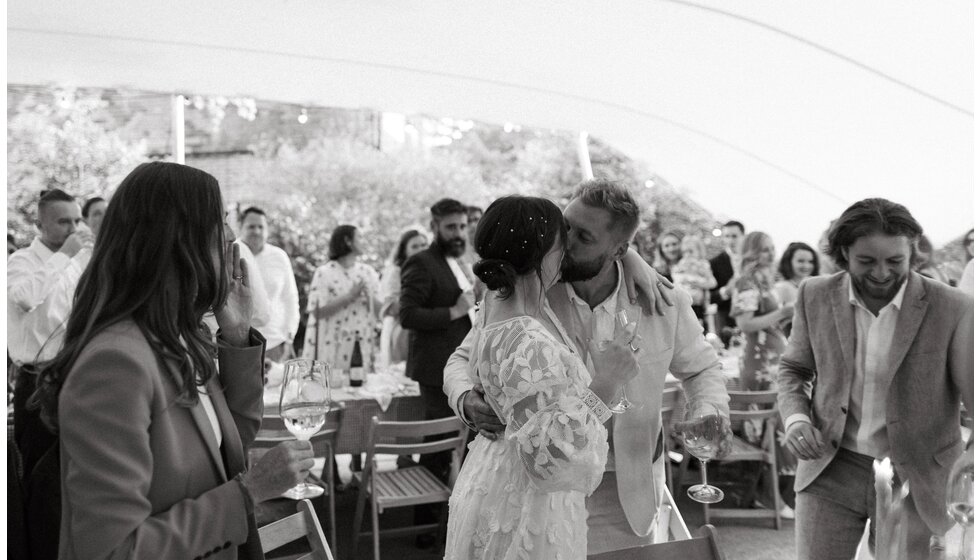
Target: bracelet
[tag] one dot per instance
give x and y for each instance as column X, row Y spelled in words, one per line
column 596, row 405
column 249, row 500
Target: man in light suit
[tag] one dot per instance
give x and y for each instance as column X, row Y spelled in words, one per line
column 878, row 363
column 602, row 219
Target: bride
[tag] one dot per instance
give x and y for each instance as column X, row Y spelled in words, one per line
column 522, row 496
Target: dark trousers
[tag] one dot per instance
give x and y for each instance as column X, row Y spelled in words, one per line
column 39, row 451
column 436, row 406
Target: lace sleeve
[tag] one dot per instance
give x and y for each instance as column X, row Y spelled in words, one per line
column 561, row 442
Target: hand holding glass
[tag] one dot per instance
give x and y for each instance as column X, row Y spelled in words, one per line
column 623, row 404
column 303, row 406
column 702, row 431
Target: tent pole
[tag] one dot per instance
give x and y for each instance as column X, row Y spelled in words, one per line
column 583, row 155
column 177, row 127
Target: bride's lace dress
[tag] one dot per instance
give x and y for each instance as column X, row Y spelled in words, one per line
column 522, row 496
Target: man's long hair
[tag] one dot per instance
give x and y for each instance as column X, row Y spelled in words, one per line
column 154, row 266
column 867, row 217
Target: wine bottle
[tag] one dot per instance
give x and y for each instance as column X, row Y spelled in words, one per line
column 356, row 363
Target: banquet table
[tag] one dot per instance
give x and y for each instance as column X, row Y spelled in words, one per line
column 400, row 394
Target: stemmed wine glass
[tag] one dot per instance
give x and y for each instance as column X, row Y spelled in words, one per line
column 702, row 431
column 623, row 404
column 959, row 500
column 303, row 406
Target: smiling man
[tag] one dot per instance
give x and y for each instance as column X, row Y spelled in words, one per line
column 878, row 362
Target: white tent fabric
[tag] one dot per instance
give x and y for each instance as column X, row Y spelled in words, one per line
column 776, row 113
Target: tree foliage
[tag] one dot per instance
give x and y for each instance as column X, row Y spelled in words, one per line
column 65, row 140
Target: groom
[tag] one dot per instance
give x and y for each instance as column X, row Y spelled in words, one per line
column 602, row 218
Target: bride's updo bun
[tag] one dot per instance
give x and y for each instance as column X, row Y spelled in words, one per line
column 497, row 274
column 512, row 238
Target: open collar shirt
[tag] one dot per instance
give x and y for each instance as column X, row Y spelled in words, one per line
column 40, row 288
column 864, row 430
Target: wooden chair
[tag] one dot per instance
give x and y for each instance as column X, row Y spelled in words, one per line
column 745, row 451
column 704, row 546
column 303, row 523
column 671, row 400
column 408, row 486
column 273, row 432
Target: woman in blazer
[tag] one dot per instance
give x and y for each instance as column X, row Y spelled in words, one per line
column 154, row 413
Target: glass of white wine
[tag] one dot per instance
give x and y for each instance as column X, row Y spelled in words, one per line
column 702, row 431
column 303, row 407
column 959, row 500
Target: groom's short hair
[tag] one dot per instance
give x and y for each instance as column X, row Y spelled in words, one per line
column 615, row 198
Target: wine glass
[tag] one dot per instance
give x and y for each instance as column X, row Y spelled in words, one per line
column 623, row 404
column 702, row 432
column 959, row 500
column 303, row 406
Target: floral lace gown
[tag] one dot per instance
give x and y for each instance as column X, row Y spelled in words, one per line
column 522, row 496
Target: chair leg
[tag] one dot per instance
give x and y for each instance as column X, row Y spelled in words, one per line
column 776, row 498
column 358, row 516
column 332, row 499
column 375, row 530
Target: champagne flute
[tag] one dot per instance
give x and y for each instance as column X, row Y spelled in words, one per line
column 303, row 406
column 702, row 432
column 959, row 500
column 623, row 404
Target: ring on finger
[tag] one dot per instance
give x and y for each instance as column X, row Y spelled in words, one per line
column 801, row 438
column 635, row 349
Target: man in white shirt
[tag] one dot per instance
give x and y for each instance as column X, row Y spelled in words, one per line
column 41, row 280
column 878, row 363
column 602, row 218
column 279, row 282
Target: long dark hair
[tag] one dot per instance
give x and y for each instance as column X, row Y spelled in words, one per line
column 341, row 242
column 401, row 250
column 512, row 238
column 156, row 269
column 786, row 261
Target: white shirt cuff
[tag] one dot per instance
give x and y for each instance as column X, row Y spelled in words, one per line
column 794, row 418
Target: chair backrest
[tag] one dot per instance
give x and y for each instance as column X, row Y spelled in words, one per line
column 702, row 546
column 670, row 400
column 443, row 434
column 765, row 402
column 303, row 523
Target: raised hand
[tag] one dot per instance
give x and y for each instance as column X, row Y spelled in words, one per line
column 235, row 317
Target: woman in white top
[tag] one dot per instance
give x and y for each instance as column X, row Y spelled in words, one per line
column 394, row 339
column 522, row 496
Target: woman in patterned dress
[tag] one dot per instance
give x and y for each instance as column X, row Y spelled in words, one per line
column 758, row 313
column 522, row 496
column 343, row 303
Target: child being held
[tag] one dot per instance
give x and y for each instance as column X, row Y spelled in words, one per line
column 693, row 272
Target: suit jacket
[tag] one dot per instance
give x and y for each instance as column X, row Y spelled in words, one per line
column 931, row 370
column 429, row 289
column 143, row 477
column 673, row 342
column 721, row 269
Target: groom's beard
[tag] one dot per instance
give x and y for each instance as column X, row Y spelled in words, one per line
column 573, row 271
column 451, row 247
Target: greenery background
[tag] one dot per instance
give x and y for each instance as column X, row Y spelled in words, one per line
column 334, row 167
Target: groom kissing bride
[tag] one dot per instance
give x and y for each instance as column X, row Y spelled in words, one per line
column 597, row 268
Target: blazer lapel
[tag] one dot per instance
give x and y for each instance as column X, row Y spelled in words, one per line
column 844, row 323
column 914, row 306
column 231, row 442
column 204, row 430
